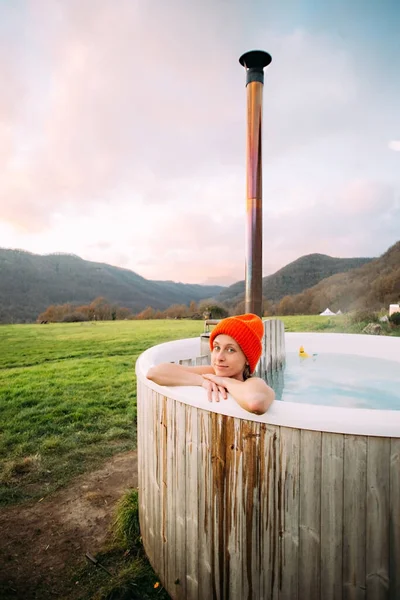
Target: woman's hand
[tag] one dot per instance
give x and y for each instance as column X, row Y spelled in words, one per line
column 253, row 394
column 215, row 387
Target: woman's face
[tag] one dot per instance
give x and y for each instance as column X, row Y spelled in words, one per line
column 227, row 357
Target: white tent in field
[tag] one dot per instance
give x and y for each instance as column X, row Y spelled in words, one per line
column 327, row 313
column 339, row 312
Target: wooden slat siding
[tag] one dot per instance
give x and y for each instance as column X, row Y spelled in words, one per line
column 273, row 345
column 282, row 348
column 394, row 508
column 180, row 500
column 371, row 507
column 187, row 362
column 164, row 449
column 141, row 395
column 278, row 343
column 235, row 510
column 378, row 491
column 273, row 358
column 269, row 499
column 149, row 465
column 144, row 483
column 157, row 511
column 192, row 504
column 310, row 514
column 267, row 347
column 170, row 528
column 251, row 537
column 218, row 451
column 260, row 369
column 204, row 503
column 288, row 574
column 202, row 360
column 354, row 517
column 331, row 516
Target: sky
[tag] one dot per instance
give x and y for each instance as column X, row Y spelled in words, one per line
column 123, row 131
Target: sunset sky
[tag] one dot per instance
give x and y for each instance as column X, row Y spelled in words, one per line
column 122, row 131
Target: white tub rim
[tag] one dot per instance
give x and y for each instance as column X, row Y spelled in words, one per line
column 331, row 419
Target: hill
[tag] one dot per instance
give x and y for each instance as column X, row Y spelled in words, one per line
column 297, row 276
column 29, row 283
column 371, row 287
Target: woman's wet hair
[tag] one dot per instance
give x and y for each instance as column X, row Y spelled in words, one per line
column 246, row 372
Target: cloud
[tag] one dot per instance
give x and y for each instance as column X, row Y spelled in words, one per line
column 128, row 99
column 122, row 138
column 362, row 218
column 394, row 145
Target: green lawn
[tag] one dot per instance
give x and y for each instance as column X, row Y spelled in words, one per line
column 68, row 398
column 68, row 394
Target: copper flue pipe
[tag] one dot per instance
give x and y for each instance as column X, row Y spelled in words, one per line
column 254, row 63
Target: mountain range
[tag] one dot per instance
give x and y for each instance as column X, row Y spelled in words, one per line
column 29, row 283
column 372, row 286
column 301, row 274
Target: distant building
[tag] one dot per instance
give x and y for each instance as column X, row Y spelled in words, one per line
column 327, row 313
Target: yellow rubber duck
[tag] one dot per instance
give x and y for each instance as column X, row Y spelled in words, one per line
column 303, row 353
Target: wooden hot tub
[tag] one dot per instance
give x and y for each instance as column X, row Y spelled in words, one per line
column 300, row 503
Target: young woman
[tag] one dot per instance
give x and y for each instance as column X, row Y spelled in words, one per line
column 235, row 351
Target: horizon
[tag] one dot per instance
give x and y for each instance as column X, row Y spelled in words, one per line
column 123, row 133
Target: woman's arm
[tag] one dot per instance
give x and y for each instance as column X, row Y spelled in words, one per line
column 253, row 394
column 173, row 374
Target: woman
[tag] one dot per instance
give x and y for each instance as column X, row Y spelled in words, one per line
column 235, row 351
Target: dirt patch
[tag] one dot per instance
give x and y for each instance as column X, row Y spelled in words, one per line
column 41, row 544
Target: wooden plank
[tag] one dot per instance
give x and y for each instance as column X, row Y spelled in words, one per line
column 149, row 467
column 278, row 343
column 378, row 491
column 354, row 517
column 273, row 345
column 269, row 498
column 310, row 514
column 217, row 512
column 180, row 502
column 235, row 522
column 144, row 520
column 187, row 362
column 288, row 514
column 202, row 360
column 262, row 361
column 205, row 500
column 164, row 448
column 251, row 533
column 267, row 346
column 281, row 344
column 141, row 390
column 331, row 516
column 192, row 504
column 157, row 482
column 394, row 508
column 170, row 528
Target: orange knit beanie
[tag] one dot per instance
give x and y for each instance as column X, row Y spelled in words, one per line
column 247, row 330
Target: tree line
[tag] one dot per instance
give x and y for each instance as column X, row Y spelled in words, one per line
column 101, row 309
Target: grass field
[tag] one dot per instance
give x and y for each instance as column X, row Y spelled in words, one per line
column 68, row 401
column 68, row 397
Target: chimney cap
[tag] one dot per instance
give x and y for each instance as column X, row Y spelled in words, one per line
column 255, row 59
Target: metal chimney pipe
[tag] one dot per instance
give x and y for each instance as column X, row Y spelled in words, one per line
column 254, row 63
